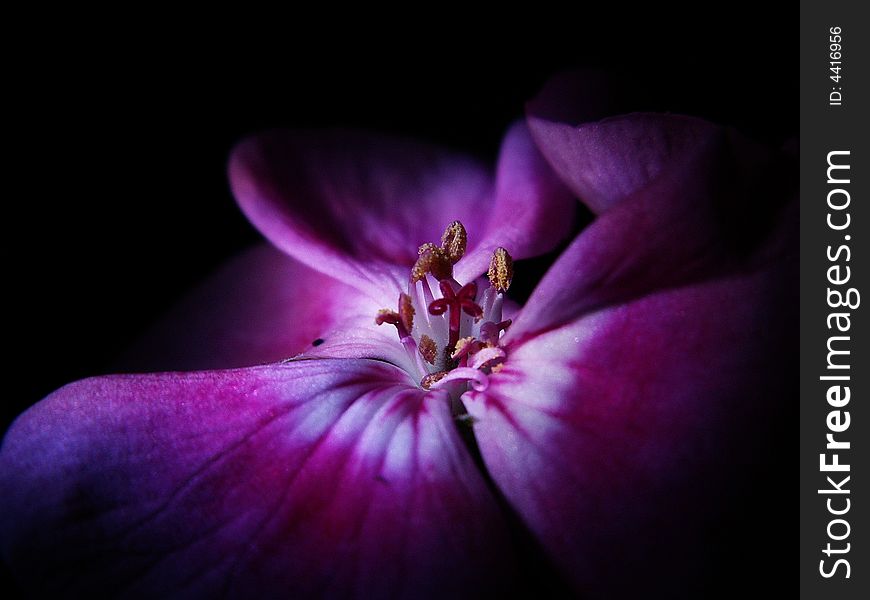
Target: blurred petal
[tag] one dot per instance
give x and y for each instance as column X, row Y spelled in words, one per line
column 703, row 218
column 605, row 162
column 582, row 95
column 533, row 210
column 623, row 437
column 316, row 477
column 356, row 206
column 261, row 307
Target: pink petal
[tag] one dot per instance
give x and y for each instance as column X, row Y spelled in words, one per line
column 605, row 162
column 315, row 477
column 623, row 438
column 532, row 213
column 648, row 370
column 698, row 219
column 356, row 206
column 261, row 307
column 367, row 341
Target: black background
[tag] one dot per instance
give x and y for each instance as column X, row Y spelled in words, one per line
column 117, row 188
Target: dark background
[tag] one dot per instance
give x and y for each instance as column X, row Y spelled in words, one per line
column 117, row 188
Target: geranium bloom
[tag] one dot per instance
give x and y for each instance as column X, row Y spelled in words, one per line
column 606, row 411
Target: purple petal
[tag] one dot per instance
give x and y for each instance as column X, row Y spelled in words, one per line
column 261, row 307
column 622, row 438
column 648, row 369
column 315, row 477
column 606, row 162
column 533, row 210
column 704, row 217
column 581, row 95
column 578, row 96
column 353, row 205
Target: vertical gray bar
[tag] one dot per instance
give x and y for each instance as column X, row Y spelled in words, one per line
column 835, row 225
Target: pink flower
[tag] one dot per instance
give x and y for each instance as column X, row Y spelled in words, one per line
column 608, row 414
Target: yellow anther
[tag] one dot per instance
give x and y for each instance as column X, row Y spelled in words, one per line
column 460, row 345
column 385, row 315
column 433, row 260
column 406, row 311
column 428, row 349
column 453, row 242
column 429, row 380
column 501, row 269
column 427, row 247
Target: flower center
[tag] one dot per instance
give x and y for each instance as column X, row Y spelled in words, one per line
column 451, row 331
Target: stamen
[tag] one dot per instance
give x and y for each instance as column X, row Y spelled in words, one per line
column 414, row 353
column 501, row 269
column 427, row 291
column 453, row 242
column 385, row 315
column 489, row 331
column 434, row 327
column 433, row 260
column 427, row 247
column 487, row 357
column 432, row 378
column 428, row 349
column 463, row 346
column 435, row 344
column 478, row 379
column 406, row 311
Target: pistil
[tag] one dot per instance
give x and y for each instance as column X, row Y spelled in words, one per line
column 456, row 303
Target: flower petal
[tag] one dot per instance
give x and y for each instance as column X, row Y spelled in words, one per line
column 702, row 218
column 261, row 307
column 624, row 438
column 367, row 341
column 581, row 95
column 315, row 477
column 356, row 206
column 605, row 162
column 533, row 210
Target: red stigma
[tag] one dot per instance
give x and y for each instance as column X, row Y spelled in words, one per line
column 456, row 303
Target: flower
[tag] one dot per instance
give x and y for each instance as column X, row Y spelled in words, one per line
column 606, row 413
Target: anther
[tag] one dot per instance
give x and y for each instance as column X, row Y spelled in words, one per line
column 501, row 269
column 432, row 260
column 432, row 378
column 487, row 357
column 427, row 247
column 406, row 311
column 466, row 345
column 385, row 315
column 428, row 349
column 477, row 378
column 453, row 242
